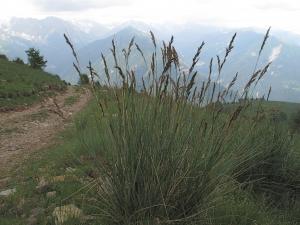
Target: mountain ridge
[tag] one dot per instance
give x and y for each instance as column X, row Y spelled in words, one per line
column 283, row 75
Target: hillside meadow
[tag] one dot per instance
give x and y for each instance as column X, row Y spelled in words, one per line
column 21, row 86
column 73, row 169
column 165, row 150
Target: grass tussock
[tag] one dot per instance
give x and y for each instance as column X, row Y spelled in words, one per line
column 174, row 150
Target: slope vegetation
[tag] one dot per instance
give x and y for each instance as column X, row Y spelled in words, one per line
column 21, row 85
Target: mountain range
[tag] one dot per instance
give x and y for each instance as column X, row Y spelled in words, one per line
column 91, row 39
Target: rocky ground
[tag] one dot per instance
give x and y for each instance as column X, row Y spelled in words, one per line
column 28, row 131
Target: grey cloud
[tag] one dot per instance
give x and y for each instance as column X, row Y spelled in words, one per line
column 76, row 5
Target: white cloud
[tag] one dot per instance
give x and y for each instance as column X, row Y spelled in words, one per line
column 76, row 5
column 280, row 14
column 275, row 53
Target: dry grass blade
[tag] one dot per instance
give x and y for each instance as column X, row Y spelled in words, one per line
column 166, row 83
column 264, row 41
column 130, row 45
column 176, row 58
column 252, row 79
column 144, row 85
column 105, row 68
column 77, row 69
column 141, row 52
column 264, row 71
column 231, row 83
column 261, row 48
column 201, row 95
column 153, row 39
column 228, row 50
column 269, row 92
column 235, row 114
column 72, row 48
column 128, row 52
column 114, row 52
column 196, row 57
column 191, row 84
column 121, row 74
column 168, row 65
column 91, row 70
column 209, row 77
column 213, row 92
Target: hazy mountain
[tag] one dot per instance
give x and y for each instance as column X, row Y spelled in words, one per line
column 283, row 75
column 90, row 39
column 92, row 52
column 287, row 37
column 47, row 35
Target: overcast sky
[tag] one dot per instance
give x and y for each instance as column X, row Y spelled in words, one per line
column 280, row 14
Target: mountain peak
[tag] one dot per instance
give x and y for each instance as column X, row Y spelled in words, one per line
column 129, row 30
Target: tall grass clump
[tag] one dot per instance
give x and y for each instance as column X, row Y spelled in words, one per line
column 172, row 148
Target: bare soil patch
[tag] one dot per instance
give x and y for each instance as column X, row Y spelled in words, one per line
column 27, row 131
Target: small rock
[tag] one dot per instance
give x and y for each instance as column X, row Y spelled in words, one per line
column 4, row 182
column 64, row 213
column 7, row 192
column 43, row 185
column 51, row 194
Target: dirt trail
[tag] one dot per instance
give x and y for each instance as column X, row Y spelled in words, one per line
column 24, row 132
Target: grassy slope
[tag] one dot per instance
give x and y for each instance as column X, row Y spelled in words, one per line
column 21, row 85
column 48, row 163
column 69, row 153
column 286, row 107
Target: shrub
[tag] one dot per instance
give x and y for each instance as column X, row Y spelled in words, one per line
column 18, row 60
column 169, row 159
column 35, row 59
column 83, row 79
column 2, row 56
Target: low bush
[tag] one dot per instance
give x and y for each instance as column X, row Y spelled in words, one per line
column 169, row 153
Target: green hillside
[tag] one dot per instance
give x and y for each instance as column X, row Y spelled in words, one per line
column 21, row 85
column 164, row 155
column 287, row 107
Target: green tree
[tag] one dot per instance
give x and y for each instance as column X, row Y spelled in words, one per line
column 2, row 56
column 18, row 60
column 35, row 60
column 83, row 79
